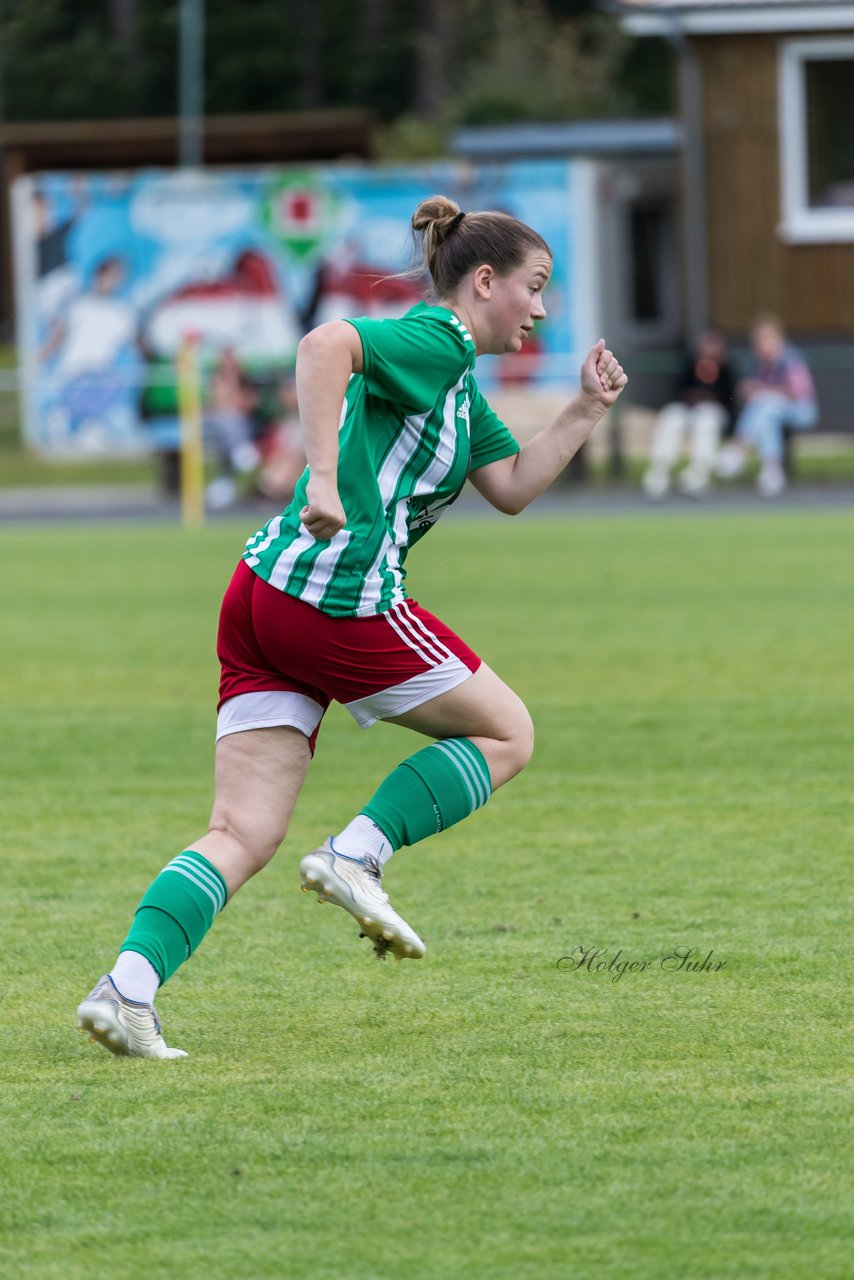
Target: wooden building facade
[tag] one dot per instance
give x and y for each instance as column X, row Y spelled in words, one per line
column 767, row 110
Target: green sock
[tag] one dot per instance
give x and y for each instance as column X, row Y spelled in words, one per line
column 176, row 912
column 431, row 791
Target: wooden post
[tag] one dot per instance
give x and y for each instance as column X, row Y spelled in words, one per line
column 192, row 453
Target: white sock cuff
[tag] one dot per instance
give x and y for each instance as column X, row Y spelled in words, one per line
column 362, row 836
column 135, row 977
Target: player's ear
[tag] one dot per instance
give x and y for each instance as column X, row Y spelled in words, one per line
column 483, row 278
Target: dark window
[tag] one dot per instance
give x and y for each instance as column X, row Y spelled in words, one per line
column 829, row 85
column 649, row 236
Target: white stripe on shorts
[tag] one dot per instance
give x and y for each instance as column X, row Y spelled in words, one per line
column 405, row 615
column 401, row 698
column 412, row 641
column 268, row 710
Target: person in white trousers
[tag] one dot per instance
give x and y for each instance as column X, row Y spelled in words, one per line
column 701, row 411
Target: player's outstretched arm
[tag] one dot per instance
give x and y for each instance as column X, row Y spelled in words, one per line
column 326, row 357
column 512, row 483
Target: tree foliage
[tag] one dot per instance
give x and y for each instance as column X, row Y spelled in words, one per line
column 435, row 61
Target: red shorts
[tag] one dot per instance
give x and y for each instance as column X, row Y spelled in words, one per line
column 283, row 661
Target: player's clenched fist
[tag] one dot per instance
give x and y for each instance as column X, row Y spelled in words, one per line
column 602, row 376
column 323, row 515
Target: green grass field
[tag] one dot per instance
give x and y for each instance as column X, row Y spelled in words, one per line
column 483, row 1113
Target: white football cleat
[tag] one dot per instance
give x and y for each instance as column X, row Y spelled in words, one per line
column 355, row 885
column 125, row 1027
column 694, row 481
column 656, row 482
column 771, row 480
column 730, row 461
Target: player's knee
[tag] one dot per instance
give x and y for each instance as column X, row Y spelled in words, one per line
column 516, row 746
column 255, row 840
column 522, row 739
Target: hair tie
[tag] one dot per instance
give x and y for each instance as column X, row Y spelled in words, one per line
column 455, row 222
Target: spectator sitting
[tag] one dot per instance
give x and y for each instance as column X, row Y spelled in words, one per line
column 778, row 393
column 283, row 453
column 228, row 428
column 702, row 406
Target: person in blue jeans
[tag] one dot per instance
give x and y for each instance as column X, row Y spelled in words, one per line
column 778, row 393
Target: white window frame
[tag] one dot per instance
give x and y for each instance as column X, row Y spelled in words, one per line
column 800, row 223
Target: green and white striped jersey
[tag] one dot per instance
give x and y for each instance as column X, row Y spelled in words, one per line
column 412, row 427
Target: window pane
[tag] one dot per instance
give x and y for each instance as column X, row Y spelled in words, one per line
column 649, row 226
column 830, row 131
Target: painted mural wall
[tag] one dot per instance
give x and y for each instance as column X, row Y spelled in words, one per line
column 115, row 271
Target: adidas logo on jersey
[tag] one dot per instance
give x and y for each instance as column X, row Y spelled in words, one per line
column 463, row 411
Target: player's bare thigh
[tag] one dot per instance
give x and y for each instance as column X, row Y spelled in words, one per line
column 487, row 711
column 259, row 774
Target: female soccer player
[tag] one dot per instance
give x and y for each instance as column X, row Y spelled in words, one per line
column 317, row 609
